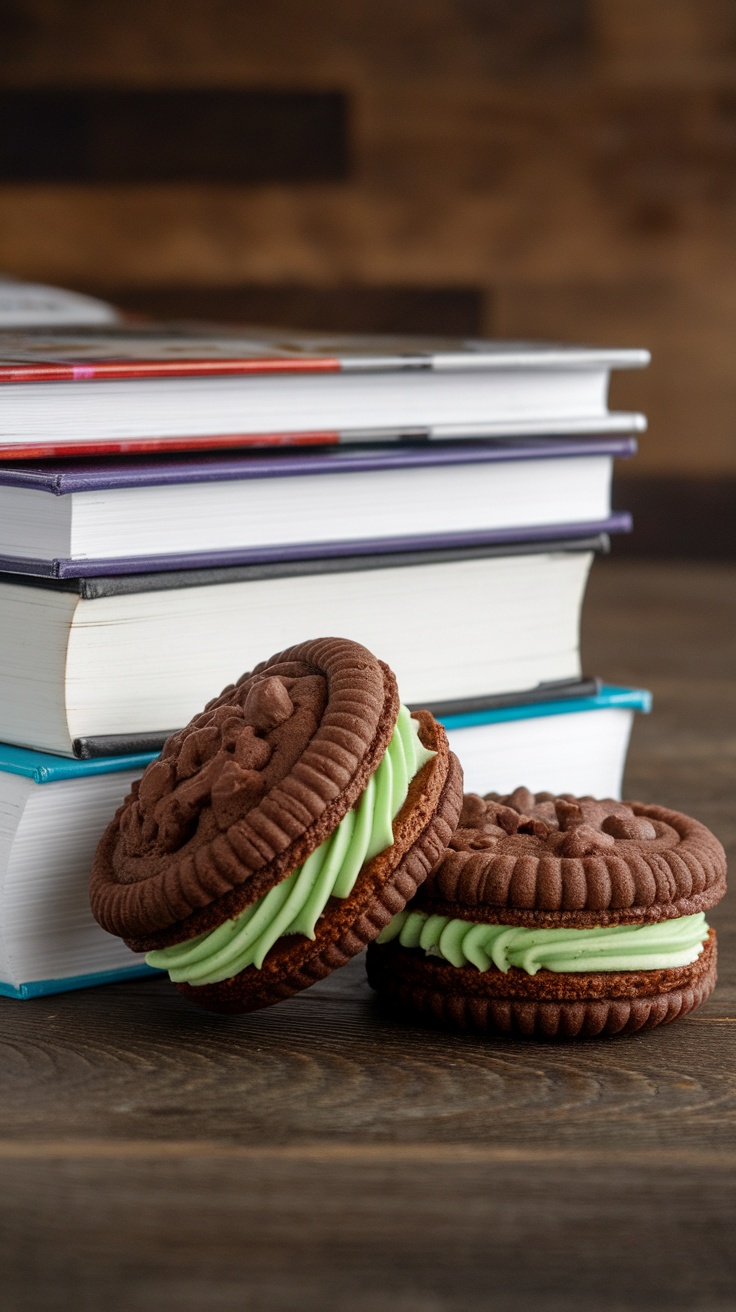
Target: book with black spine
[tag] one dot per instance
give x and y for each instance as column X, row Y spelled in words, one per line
column 139, row 654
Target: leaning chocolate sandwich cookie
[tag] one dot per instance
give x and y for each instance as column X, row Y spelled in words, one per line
column 558, row 917
column 278, row 833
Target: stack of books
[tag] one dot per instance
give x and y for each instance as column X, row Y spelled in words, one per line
column 176, row 506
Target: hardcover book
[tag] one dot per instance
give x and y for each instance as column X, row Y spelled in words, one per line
column 97, row 517
column 88, row 660
column 147, row 387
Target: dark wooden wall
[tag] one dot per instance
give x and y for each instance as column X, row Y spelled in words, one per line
column 559, row 168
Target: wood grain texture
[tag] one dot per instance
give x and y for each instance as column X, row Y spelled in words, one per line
column 202, row 135
column 320, row 1155
column 268, row 39
column 367, row 1233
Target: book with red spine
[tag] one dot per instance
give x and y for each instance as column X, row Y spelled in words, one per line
column 123, row 388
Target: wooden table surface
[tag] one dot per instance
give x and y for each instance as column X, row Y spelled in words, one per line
column 318, row 1156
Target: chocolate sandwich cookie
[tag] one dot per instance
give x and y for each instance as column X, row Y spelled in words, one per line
column 279, row 832
column 558, row 917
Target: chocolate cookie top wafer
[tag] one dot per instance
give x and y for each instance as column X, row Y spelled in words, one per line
column 541, row 860
column 245, row 793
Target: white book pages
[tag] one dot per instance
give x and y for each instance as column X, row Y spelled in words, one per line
column 100, row 411
column 147, row 662
column 152, row 661
column 582, row 752
column 48, row 930
column 287, row 511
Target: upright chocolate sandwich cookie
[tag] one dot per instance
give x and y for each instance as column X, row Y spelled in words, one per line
column 558, row 917
column 279, row 831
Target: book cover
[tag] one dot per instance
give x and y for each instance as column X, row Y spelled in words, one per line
column 41, row 988
column 607, row 697
column 91, row 584
column 65, row 477
column 66, row 567
column 44, row 768
column 180, row 350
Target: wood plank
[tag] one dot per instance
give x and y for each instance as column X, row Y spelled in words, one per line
column 442, row 41
column 411, row 1235
column 139, row 1062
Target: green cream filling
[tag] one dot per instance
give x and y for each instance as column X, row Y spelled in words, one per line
column 295, row 905
column 659, row 946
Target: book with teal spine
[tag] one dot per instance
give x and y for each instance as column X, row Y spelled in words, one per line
column 54, row 810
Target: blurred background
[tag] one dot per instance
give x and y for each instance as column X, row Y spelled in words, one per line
column 563, row 169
